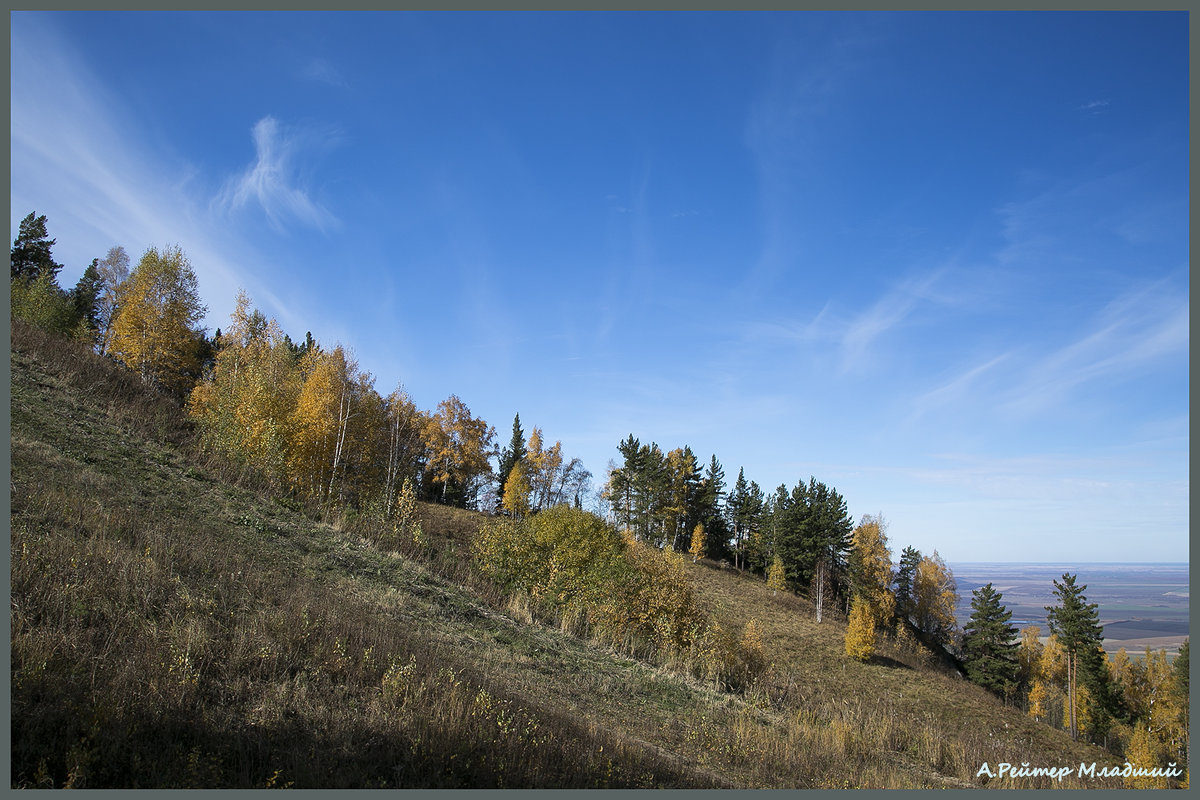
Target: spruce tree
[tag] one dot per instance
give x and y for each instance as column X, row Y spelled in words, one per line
column 989, row 644
column 510, row 455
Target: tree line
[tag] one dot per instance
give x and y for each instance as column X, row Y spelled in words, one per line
column 309, row 421
column 1135, row 707
column 305, row 418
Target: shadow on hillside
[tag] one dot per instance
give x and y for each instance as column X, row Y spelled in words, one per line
column 890, row 663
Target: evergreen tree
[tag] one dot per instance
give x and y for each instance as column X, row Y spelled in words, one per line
column 85, row 295
column 1076, row 623
column 745, row 511
column 712, row 504
column 989, row 644
column 812, row 530
column 31, row 255
column 623, row 480
column 910, row 559
column 510, row 455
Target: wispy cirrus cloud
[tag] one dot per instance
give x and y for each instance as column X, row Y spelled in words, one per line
column 1136, row 332
column 887, row 313
column 78, row 158
column 321, row 70
column 273, row 181
column 1143, row 331
column 850, row 341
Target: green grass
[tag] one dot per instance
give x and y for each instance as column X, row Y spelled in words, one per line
column 174, row 625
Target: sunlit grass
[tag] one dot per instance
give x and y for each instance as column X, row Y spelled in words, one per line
column 174, row 624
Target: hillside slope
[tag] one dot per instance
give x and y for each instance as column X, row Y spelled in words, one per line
column 173, row 629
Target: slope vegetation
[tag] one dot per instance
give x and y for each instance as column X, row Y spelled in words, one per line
column 172, row 627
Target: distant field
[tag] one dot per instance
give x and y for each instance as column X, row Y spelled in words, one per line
column 1140, row 604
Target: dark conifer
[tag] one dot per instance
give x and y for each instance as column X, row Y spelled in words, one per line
column 910, row 559
column 31, row 250
column 989, row 644
column 510, row 455
column 1076, row 623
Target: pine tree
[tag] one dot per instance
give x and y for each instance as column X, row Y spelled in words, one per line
column 621, row 482
column 712, row 509
column 988, row 644
column 910, row 559
column 31, row 256
column 1076, row 624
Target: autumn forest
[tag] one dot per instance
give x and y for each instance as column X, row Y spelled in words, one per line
column 306, row 422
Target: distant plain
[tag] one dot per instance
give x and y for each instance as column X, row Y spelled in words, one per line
column 1140, row 605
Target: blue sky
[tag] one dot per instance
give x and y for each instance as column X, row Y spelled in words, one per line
column 938, row 261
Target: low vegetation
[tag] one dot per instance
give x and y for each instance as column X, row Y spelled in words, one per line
column 175, row 624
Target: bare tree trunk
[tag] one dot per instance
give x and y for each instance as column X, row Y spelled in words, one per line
column 343, row 420
column 820, row 589
column 1071, row 667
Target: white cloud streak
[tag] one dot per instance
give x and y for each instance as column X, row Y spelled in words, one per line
column 1133, row 334
column 77, row 159
column 270, row 182
column 321, row 70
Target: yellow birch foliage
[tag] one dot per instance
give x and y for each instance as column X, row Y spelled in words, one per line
column 320, row 422
column 155, row 331
column 458, row 448
column 935, row 596
column 860, row 631
column 1048, row 694
column 777, row 576
column 754, row 657
column 697, row 548
column 516, row 491
column 1029, row 653
column 244, row 408
column 871, row 571
column 1145, row 751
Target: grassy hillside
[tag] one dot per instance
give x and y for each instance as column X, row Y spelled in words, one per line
column 171, row 627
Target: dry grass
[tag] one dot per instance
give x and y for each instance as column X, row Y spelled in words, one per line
column 173, row 629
